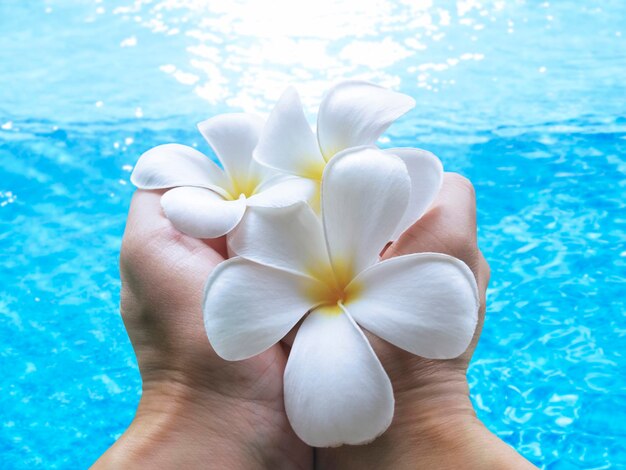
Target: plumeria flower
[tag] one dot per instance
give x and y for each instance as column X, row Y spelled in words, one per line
column 351, row 114
column 207, row 201
column 294, row 265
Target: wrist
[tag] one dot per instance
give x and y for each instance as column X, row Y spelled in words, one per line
column 179, row 426
column 429, row 419
column 434, row 426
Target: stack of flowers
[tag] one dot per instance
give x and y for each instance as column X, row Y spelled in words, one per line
column 306, row 216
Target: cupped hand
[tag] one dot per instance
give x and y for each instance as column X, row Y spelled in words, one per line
column 195, row 406
column 448, row 227
column 434, row 423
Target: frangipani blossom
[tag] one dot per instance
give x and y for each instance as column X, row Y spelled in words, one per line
column 351, row 114
column 207, row 201
column 292, row 265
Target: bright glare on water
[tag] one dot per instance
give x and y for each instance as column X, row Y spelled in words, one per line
column 526, row 98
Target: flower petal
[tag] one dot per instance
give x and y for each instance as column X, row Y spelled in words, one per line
column 290, row 238
column 365, row 193
column 355, row 113
column 336, row 390
column 287, row 142
column 426, row 172
column 284, row 192
column 425, row 303
column 201, row 213
column 233, row 137
column 171, row 165
column 249, row 307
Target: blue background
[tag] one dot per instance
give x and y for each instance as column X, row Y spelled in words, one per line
column 526, row 98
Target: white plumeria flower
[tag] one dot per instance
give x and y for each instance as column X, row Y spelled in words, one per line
column 351, row 114
column 293, row 264
column 207, row 201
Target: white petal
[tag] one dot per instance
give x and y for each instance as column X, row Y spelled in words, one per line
column 171, row 165
column 233, row 138
column 201, row 213
column 356, row 113
column 365, row 193
column 249, row 307
column 290, row 238
column 287, row 142
column 426, row 172
column 336, row 390
column 425, row 303
column 264, row 173
column 284, row 192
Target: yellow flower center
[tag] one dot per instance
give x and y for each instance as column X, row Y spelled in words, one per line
column 336, row 286
column 242, row 187
column 313, row 171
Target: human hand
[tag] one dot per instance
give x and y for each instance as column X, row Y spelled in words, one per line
column 196, row 410
column 434, row 423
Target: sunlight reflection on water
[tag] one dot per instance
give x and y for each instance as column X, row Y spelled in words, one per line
column 244, row 52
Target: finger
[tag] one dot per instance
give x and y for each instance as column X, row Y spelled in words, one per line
column 162, row 270
column 145, row 214
column 163, row 274
column 146, row 221
column 149, row 238
column 485, row 271
column 448, row 227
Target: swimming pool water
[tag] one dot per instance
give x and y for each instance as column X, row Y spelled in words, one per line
column 528, row 99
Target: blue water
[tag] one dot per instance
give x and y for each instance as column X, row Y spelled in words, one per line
column 526, row 98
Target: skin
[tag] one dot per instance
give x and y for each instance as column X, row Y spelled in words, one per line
column 196, row 410
column 199, row 411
